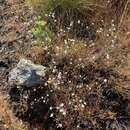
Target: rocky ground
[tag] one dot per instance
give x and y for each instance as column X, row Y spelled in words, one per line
column 15, row 21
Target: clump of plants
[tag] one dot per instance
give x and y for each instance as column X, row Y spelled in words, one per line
column 41, row 31
column 72, row 17
column 74, row 96
column 84, row 88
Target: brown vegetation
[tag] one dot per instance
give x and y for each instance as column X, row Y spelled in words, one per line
column 7, row 118
column 87, row 85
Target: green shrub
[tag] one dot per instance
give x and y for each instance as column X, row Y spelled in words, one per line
column 41, row 31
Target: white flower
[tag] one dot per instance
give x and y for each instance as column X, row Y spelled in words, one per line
column 45, row 48
column 108, row 56
column 60, row 125
column 51, row 115
column 72, row 94
column 105, row 80
column 62, row 104
column 80, row 59
column 65, row 41
column 108, row 35
column 79, row 21
column 68, row 28
column 71, row 23
column 85, row 103
column 80, row 100
column 82, row 105
column 64, row 113
column 113, row 25
column 65, row 51
column 61, row 110
column 59, row 75
column 61, row 30
column 128, row 33
column 93, row 57
column 113, row 41
column 53, row 15
column 112, row 19
column 51, row 108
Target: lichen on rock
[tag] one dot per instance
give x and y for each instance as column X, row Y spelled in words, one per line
column 27, row 73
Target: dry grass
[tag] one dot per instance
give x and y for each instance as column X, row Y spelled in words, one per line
column 10, row 122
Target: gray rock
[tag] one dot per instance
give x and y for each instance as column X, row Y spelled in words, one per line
column 27, row 73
